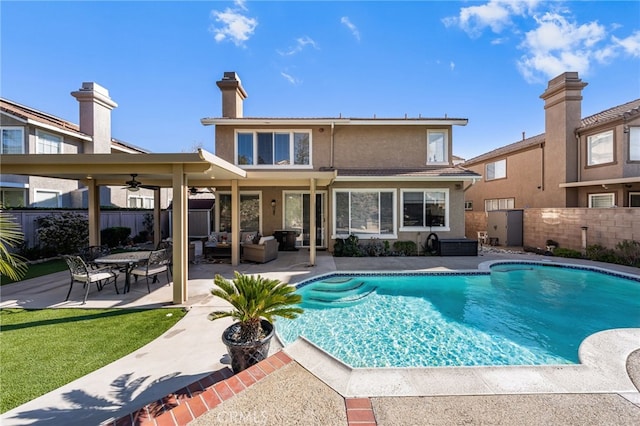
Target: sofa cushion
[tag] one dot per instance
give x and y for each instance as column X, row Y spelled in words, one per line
column 263, row 239
column 248, row 237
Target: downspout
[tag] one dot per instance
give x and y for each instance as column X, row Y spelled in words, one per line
column 579, row 165
column 332, row 129
column 542, row 167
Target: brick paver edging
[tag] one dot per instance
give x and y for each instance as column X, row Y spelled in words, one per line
column 183, row 406
column 359, row 412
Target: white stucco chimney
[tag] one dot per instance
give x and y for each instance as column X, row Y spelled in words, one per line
column 95, row 116
column 233, row 95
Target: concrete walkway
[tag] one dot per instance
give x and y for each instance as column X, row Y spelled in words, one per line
column 193, row 350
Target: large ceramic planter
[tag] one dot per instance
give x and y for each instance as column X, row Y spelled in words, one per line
column 245, row 354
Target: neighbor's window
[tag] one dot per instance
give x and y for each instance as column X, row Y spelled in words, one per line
column 468, row 205
column 496, row 170
column 280, row 148
column 437, row 144
column 139, row 202
column 12, row 198
column 600, row 148
column 47, row 143
column 634, row 144
column 44, row 198
column 366, row 213
column 499, row 204
column 12, row 140
column 602, row 200
column 249, row 211
column 425, row 209
column 634, row 199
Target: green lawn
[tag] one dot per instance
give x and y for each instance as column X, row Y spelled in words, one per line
column 39, row 269
column 42, row 350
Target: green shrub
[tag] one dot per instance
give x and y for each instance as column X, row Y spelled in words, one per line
column 347, row 247
column 567, row 252
column 376, row 248
column 116, row 236
column 63, row 233
column 601, row 254
column 405, row 248
column 628, row 252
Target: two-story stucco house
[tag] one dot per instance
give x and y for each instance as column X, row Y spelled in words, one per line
column 327, row 178
column 25, row 130
column 578, row 162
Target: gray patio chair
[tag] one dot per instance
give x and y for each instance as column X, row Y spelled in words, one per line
column 91, row 253
column 157, row 263
column 82, row 273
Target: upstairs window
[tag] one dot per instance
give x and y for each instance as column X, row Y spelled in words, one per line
column 634, row 144
column 437, row 147
column 600, row 148
column 12, row 140
column 496, row 170
column 47, row 143
column 279, row 148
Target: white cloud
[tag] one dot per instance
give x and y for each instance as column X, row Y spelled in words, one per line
column 452, row 65
column 291, row 79
column 555, row 42
column 235, row 26
column 557, row 45
column 630, row 45
column 354, row 30
column 301, row 43
column 241, row 4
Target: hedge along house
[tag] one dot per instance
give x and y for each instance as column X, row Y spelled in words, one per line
column 326, row 178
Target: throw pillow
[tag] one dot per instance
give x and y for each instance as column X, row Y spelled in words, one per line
column 248, row 238
column 213, row 238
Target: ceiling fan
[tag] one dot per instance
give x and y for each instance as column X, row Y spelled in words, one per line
column 194, row 191
column 135, row 185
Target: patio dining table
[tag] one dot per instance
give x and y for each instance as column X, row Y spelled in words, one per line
column 127, row 260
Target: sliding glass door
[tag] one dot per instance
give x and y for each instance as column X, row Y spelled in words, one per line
column 297, row 214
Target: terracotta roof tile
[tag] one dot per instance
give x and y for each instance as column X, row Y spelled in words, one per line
column 629, row 108
column 33, row 114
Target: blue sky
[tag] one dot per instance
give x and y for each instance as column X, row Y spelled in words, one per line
column 487, row 61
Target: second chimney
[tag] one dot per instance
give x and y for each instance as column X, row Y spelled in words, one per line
column 233, row 95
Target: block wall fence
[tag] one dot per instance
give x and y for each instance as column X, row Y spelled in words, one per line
column 606, row 227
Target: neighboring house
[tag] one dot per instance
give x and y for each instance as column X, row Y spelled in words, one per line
column 577, row 162
column 326, row 178
column 25, row 130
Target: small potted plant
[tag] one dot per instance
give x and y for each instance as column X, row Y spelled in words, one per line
column 552, row 245
column 256, row 301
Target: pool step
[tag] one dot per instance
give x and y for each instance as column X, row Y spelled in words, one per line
column 338, row 298
column 336, row 284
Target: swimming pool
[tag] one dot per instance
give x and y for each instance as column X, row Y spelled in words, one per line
column 516, row 314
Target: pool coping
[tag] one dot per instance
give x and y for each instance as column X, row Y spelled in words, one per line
column 602, row 367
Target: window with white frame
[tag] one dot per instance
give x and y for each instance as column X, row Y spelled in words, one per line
column 600, row 148
column 602, row 200
column 426, row 208
column 437, row 147
column 364, row 212
column 634, row 144
column 12, row 140
column 47, row 143
column 44, row 198
column 468, row 205
column 499, row 204
column 273, row 148
column 496, row 170
column 140, row 202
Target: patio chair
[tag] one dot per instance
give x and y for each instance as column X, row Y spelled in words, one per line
column 157, row 263
column 82, row 273
column 168, row 246
column 91, row 253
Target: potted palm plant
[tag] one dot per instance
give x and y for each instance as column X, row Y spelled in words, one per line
column 256, row 301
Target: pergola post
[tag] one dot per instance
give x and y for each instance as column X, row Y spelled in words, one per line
column 235, row 223
column 93, row 210
column 157, row 237
column 312, row 222
column 180, row 236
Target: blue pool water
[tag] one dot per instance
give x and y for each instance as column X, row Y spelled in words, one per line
column 519, row 314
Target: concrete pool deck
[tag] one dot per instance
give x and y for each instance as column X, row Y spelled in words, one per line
column 309, row 389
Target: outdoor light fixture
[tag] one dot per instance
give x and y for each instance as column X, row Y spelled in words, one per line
column 133, row 188
column 273, row 207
